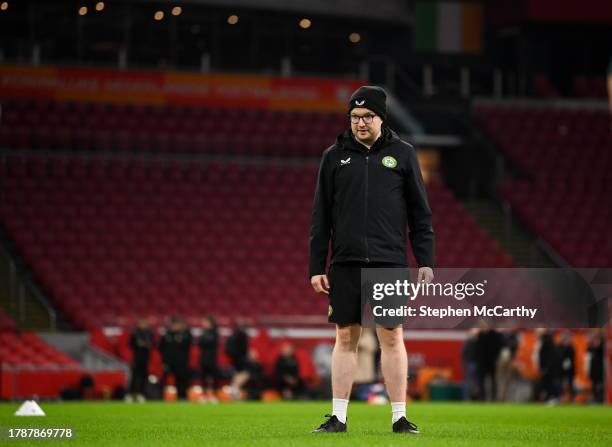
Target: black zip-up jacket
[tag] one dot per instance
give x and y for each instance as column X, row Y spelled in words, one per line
column 364, row 200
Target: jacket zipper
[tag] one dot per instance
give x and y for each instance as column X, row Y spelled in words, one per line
column 365, row 235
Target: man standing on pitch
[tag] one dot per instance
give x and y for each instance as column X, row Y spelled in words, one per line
column 369, row 188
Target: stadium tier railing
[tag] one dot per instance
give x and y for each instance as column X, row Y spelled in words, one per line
column 21, row 297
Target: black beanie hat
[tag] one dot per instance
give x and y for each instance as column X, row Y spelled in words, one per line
column 370, row 97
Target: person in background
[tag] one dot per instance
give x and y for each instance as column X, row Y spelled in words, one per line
column 469, row 360
column 488, row 347
column 86, row 389
column 550, row 368
column 250, row 378
column 174, row 348
column 287, row 370
column 367, row 348
column 596, row 366
column 568, row 363
column 141, row 343
column 237, row 347
column 321, row 357
column 209, row 369
column 505, row 363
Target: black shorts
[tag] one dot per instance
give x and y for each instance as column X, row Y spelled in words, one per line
column 345, row 304
column 209, row 370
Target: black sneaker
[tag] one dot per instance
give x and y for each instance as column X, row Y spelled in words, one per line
column 332, row 425
column 403, row 425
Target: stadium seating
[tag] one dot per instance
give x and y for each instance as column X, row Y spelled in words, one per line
column 110, row 239
column 587, row 87
column 27, row 349
column 563, row 193
column 38, row 124
column 31, row 367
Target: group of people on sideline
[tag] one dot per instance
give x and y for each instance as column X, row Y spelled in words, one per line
column 244, row 376
column 564, row 366
column 493, row 371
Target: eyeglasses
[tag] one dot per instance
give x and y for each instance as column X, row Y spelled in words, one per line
column 367, row 119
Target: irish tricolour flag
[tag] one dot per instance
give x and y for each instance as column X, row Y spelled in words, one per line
column 452, row 27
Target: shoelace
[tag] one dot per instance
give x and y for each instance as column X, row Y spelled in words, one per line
column 411, row 426
column 327, row 422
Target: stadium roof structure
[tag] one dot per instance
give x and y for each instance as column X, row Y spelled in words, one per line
column 398, row 11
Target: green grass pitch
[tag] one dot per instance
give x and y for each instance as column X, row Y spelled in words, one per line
column 289, row 424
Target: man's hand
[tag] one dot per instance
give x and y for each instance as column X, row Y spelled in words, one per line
column 425, row 275
column 320, row 284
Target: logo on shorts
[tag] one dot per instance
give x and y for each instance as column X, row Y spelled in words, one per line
column 330, row 310
column 389, row 162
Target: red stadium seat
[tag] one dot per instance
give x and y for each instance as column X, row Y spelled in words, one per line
column 144, row 237
column 107, row 127
column 565, row 193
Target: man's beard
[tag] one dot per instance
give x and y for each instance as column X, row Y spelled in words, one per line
column 369, row 138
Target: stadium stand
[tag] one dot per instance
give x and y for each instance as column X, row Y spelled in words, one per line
column 21, row 349
column 30, row 366
column 563, row 189
column 41, row 124
column 111, row 239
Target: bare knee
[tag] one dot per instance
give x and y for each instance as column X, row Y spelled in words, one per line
column 391, row 339
column 347, row 337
